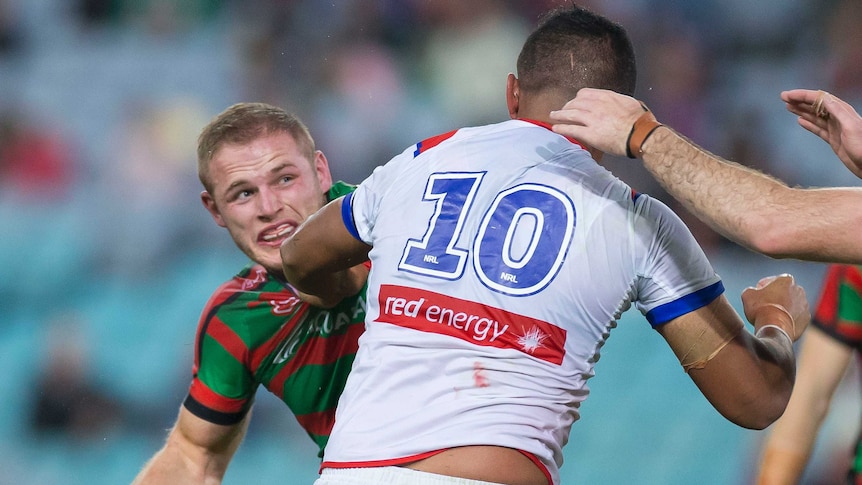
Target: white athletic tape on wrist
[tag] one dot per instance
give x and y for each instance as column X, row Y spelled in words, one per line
column 776, row 327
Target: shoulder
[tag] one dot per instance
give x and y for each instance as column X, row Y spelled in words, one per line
column 339, row 189
column 252, row 295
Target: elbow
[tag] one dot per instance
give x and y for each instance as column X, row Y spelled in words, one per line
column 761, row 421
column 761, row 414
column 769, row 238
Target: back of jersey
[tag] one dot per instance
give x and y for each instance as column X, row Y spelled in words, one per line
column 502, row 256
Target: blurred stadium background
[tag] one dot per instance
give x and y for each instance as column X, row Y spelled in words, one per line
column 107, row 256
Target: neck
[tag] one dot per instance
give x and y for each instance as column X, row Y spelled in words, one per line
column 539, row 109
column 539, row 106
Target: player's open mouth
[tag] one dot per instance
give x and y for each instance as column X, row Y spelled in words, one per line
column 279, row 232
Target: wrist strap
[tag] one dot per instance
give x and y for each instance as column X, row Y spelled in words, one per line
column 642, row 128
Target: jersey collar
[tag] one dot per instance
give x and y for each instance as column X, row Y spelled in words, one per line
column 548, row 126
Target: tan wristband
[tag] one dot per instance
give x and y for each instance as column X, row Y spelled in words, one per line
column 642, row 128
column 781, row 322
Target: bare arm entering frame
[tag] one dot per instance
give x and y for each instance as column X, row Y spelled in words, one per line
column 825, row 355
column 751, row 208
column 822, row 363
column 196, row 452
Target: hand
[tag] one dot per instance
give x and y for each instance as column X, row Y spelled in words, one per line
column 841, row 128
column 600, row 118
column 777, row 300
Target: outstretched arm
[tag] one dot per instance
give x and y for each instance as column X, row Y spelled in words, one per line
column 317, row 258
column 751, row 208
column 747, row 378
column 822, row 363
column 196, row 452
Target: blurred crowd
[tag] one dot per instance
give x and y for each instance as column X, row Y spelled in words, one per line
column 106, row 253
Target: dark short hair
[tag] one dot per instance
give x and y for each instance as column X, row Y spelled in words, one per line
column 243, row 123
column 573, row 48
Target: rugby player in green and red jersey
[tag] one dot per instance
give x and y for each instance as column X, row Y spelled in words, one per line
column 262, row 178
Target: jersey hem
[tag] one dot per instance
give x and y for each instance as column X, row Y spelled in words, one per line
column 421, row 456
column 375, row 463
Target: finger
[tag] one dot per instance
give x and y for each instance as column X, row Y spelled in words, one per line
column 571, row 113
column 569, row 130
column 765, row 281
column 800, row 109
column 813, row 127
column 821, row 104
column 582, row 98
column 807, row 96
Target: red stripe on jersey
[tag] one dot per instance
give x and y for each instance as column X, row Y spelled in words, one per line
column 224, row 293
column 319, row 351
column 420, row 456
column 548, row 126
column 432, row 142
column 228, row 339
column 850, row 330
column 319, row 423
column 470, row 321
column 854, row 278
column 376, row 463
column 827, row 306
column 209, row 398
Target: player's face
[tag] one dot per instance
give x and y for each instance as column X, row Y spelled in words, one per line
column 263, row 190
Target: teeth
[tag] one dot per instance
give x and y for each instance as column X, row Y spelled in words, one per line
column 285, row 230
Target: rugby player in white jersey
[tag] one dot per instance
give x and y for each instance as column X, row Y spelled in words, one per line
column 502, row 256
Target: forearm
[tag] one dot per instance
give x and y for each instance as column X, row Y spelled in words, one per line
column 791, row 441
column 748, row 378
column 326, row 289
column 735, row 200
column 785, row 456
column 822, row 364
column 321, row 259
column 196, row 452
column 174, row 465
column 754, row 209
column 750, row 381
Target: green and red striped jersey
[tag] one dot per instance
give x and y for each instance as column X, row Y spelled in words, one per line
column 256, row 331
column 839, row 308
column 839, row 315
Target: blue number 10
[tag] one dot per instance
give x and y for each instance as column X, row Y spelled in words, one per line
column 520, row 244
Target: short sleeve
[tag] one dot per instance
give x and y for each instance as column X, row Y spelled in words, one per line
column 359, row 209
column 675, row 276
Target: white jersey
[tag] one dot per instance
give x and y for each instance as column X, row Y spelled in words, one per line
column 502, row 257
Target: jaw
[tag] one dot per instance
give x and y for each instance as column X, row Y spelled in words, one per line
column 268, row 257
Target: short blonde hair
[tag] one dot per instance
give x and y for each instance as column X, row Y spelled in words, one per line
column 243, row 123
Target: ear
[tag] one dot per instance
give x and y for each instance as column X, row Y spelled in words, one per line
column 513, row 91
column 210, row 205
column 321, row 167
